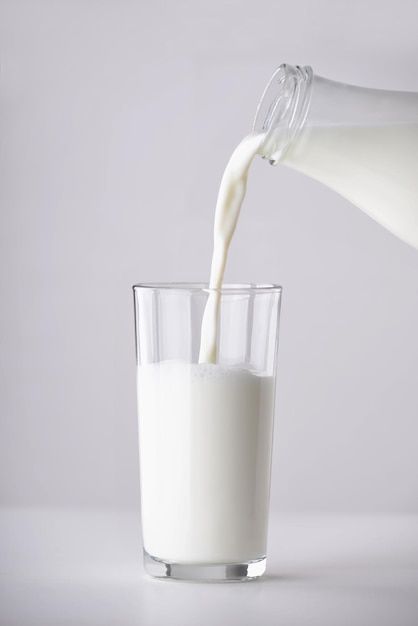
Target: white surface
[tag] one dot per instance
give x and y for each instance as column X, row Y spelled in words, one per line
column 83, row 569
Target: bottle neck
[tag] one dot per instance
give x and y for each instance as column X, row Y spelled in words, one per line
column 282, row 110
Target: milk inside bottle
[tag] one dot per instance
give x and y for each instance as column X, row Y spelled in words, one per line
column 363, row 143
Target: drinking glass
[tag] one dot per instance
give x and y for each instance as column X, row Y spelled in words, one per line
column 205, row 429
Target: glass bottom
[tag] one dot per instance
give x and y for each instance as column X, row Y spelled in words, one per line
column 209, row 572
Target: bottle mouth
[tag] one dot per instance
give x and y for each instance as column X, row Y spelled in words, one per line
column 282, row 109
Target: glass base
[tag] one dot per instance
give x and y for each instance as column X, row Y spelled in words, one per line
column 209, row 572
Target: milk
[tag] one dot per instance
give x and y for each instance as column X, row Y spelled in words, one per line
column 205, row 430
column 374, row 167
column 230, row 198
column 205, row 452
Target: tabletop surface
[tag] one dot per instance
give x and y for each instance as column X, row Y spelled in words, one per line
column 62, row 567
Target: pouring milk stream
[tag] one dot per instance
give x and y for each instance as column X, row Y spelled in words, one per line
column 230, row 198
column 363, row 143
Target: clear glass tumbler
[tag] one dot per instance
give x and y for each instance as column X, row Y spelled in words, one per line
column 205, row 430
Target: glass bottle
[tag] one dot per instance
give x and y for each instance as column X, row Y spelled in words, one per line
column 361, row 142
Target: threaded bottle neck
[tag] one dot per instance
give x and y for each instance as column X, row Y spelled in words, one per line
column 282, row 109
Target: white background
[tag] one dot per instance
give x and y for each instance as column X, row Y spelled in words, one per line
column 117, row 119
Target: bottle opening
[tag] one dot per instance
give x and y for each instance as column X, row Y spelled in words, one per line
column 282, row 109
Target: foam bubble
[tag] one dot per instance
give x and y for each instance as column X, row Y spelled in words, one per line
column 197, row 370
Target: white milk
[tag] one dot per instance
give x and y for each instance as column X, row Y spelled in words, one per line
column 205, row 449
column 373, row 167
column 230, row 198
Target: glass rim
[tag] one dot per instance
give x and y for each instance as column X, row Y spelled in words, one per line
column 228, row 288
